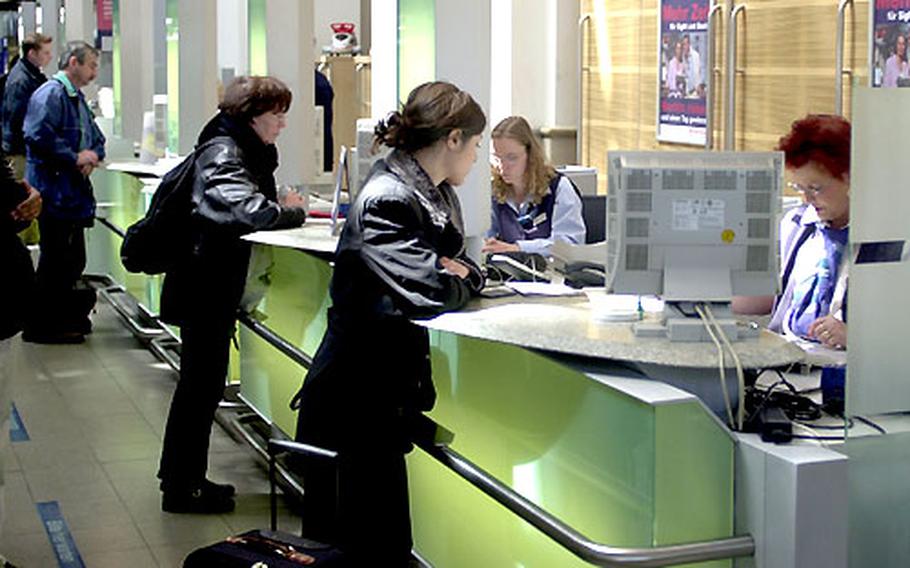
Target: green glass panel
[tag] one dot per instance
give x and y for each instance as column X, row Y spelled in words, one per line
column 590, row 455
column 103, row 245
column 173, row 74
column 257, row 23
column 692, row 502
column 295, row 298
column 416, row 44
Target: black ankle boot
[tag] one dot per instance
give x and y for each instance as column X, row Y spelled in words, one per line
column 205, row 499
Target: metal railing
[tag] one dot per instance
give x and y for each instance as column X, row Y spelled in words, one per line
column 839, row 58
column 730, row 125
column 582, row 70
column 710, row 67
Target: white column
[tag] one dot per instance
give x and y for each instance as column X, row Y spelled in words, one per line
column 564, row 81
column 137, row 71
column 80, row 20
column 29, row 17
column 384, row 57
column 198, row 97
column 50, row 26
column 544, row 69
column 233, row 37
column 466, row 63
column 289, row 49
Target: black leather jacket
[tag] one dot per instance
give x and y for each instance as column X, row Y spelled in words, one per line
column 372, row 371
column 18, row 279
column 233, row 194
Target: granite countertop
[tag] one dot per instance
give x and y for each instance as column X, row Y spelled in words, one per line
column 564, row 325
column 314, row 236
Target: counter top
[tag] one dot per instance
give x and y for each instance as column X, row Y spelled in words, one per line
column 564, row 325
column 141, row 169
column 556, row 324
column 314, row 236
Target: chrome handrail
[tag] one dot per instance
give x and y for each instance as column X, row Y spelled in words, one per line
column 730, row 126
column 117, row 230
column 709, row 68
column 585, row 18
column 839, row 58
column 569, row 538
column 276, row 341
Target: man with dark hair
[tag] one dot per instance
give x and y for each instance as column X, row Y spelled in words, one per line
column 64, row 146
column 24, row 79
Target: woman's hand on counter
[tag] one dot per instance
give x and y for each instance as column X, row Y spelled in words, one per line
column 454, row 267
column 829, row 331
column 495, row 245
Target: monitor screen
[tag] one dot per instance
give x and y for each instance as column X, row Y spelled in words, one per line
column 693, row 226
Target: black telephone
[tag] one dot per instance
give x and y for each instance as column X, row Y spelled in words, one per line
column 520, row 266
column 584, row 274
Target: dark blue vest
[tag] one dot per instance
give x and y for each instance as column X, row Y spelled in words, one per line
column 537, row 223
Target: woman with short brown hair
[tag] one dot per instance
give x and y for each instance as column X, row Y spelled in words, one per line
column 233, row 194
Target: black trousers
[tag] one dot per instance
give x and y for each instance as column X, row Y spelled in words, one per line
column 360, row 504
column 60, row 267
column 204, row 356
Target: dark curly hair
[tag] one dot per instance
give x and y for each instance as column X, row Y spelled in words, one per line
column 433, row 111
column 249, row 96
column 820, row 138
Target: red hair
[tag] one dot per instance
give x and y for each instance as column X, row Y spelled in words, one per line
column 820, row 138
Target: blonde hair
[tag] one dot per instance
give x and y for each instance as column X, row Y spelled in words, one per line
column 538, row 172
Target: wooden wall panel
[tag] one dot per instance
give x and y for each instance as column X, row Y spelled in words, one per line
column 785, row 69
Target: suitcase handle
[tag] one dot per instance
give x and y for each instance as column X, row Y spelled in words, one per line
column 277, row 447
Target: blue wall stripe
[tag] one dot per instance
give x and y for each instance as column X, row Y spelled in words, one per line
column 17, row 431
column 59, row 535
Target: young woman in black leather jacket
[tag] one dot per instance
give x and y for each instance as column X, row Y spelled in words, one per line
column 234, row 194
column 400, row 257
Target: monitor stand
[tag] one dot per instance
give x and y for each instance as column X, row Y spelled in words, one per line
column 680, row 322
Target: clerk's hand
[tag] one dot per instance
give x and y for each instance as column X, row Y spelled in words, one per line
column 30, row 207
column 829, row 331
column 495, row 245
column 454, row 267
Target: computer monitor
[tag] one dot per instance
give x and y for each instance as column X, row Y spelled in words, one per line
column 693, row 227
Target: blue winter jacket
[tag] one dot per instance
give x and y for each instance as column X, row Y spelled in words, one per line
column 54, row 136
column 24, row 79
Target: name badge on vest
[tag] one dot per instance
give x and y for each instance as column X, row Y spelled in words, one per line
column 540, row 219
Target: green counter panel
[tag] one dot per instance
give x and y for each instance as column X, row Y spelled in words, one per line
column 122, row 202
column 294, row 286
column 620, row 471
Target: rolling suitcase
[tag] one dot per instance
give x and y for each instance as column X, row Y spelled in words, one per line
column 271, row 548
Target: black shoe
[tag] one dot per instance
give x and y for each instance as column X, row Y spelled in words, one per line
column 203, row 501
column 53, row 337
column 226, row 490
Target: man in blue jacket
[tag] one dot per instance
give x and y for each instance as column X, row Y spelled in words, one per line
column 63, row 147
column 24, row 79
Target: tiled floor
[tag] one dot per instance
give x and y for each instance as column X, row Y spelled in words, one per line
column 95, row 414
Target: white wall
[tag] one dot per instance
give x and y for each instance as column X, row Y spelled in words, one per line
column 233, row 36
column 384, row 57
column 466, row 63
column 534, row 58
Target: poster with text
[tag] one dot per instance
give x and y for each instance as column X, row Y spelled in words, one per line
column 684, row 81
column 889, row 46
